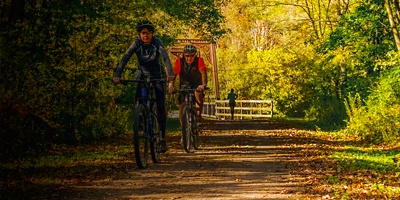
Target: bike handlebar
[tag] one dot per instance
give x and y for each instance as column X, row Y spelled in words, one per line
column 189, row 89
column 148, row 80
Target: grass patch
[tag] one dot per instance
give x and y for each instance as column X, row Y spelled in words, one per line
column 364, row 173
column 353, row 159
column 41, row 175
column 173, row 125
column 71, row 155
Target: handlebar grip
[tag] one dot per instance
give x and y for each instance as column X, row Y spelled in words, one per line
column 123, row 82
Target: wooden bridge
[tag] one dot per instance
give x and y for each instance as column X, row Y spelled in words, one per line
column 220, row 108
column 244, row 109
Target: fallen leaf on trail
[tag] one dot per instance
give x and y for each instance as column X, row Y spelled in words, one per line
column 326, row 197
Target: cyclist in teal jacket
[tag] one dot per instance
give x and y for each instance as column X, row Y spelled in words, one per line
column 150, row 52
column 232, row 96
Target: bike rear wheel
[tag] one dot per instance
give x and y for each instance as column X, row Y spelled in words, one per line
column 140, row 139
column 186, row 129
column 155, row 154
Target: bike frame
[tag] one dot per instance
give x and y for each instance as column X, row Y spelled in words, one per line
column 144, row 105
column 148, row 102
column 189, row 125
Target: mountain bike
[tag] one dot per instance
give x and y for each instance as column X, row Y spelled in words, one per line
column 146, row 131
column 190, row 122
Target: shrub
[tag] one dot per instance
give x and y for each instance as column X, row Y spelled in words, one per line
column 378, row 121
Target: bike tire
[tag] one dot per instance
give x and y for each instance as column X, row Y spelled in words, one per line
column 196, row 136
column 140, row 139
column 155, row 154
column 186, row 129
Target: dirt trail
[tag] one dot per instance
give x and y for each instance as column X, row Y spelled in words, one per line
column 237, row 160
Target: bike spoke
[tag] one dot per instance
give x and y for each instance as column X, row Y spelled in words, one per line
column 155, row 153
column 141, row 144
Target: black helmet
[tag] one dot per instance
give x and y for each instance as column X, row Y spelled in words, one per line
column 190, row 48
column 144, row 24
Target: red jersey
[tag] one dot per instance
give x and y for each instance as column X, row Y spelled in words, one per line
column 201, row 66
column 190, row 73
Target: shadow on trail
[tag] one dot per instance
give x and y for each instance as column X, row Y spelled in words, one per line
column 282, row 132
column 248, row 159
column 265, row 124
column 225, row 167
column 245, row 159
column 236, row 160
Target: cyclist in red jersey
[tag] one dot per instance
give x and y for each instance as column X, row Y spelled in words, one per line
column 193, row 72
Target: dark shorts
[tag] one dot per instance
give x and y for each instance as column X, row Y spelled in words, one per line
column 181, row 98
column 232, row 104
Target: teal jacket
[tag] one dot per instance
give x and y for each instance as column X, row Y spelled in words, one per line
column 149, row 57
column 232, row 96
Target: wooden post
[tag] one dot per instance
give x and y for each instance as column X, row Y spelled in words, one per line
column 272, row 109
column 213, row 58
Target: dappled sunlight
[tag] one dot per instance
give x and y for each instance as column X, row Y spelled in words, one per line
column 239, row 164
column 282, row 163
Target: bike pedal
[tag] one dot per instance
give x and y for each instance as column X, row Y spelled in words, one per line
column 161, row 147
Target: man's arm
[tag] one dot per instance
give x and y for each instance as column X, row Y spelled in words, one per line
column 204, row 77
column 167, row 61
column 203, row 70
column 127, row 56
column 176, row 69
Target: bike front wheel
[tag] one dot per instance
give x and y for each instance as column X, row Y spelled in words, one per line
column 186, row 129
column 140, row 139
column 155, row 153
column 196, row 136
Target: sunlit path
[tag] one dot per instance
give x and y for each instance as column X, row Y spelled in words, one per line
column 235, row 163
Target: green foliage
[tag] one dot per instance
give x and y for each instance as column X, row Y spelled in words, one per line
column 378, row 121
column 282, row 78
column 329, row 80
column 366, row 34
column 58, row 57
column 349, row 64
column 312, row 65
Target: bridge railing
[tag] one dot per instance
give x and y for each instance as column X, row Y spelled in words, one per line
column 243, row 108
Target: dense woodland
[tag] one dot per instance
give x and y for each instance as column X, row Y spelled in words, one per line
column 333, row 62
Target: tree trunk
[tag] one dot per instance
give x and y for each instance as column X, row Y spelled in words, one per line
column 393, row 24
column 397, row 10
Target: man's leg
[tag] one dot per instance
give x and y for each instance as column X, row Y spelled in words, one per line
column 161, row 113
column 199, row 101
column 232, row 110
column 180, row 111
column 182, row 103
